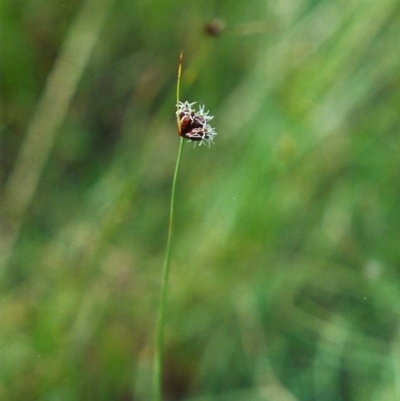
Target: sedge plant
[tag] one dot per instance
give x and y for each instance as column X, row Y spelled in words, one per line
column 194, row 126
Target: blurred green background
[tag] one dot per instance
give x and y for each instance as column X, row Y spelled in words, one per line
column 285, row 276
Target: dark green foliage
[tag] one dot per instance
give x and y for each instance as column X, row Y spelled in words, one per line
column 285, row 265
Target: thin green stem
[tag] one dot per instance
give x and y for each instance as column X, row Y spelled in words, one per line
column 159, row 340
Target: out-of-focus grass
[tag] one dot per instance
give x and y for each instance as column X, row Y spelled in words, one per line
column 284, row 279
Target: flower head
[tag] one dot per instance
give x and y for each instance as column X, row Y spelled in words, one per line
column 194, row 125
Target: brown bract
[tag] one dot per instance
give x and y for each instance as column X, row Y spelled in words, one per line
column 194, row 125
